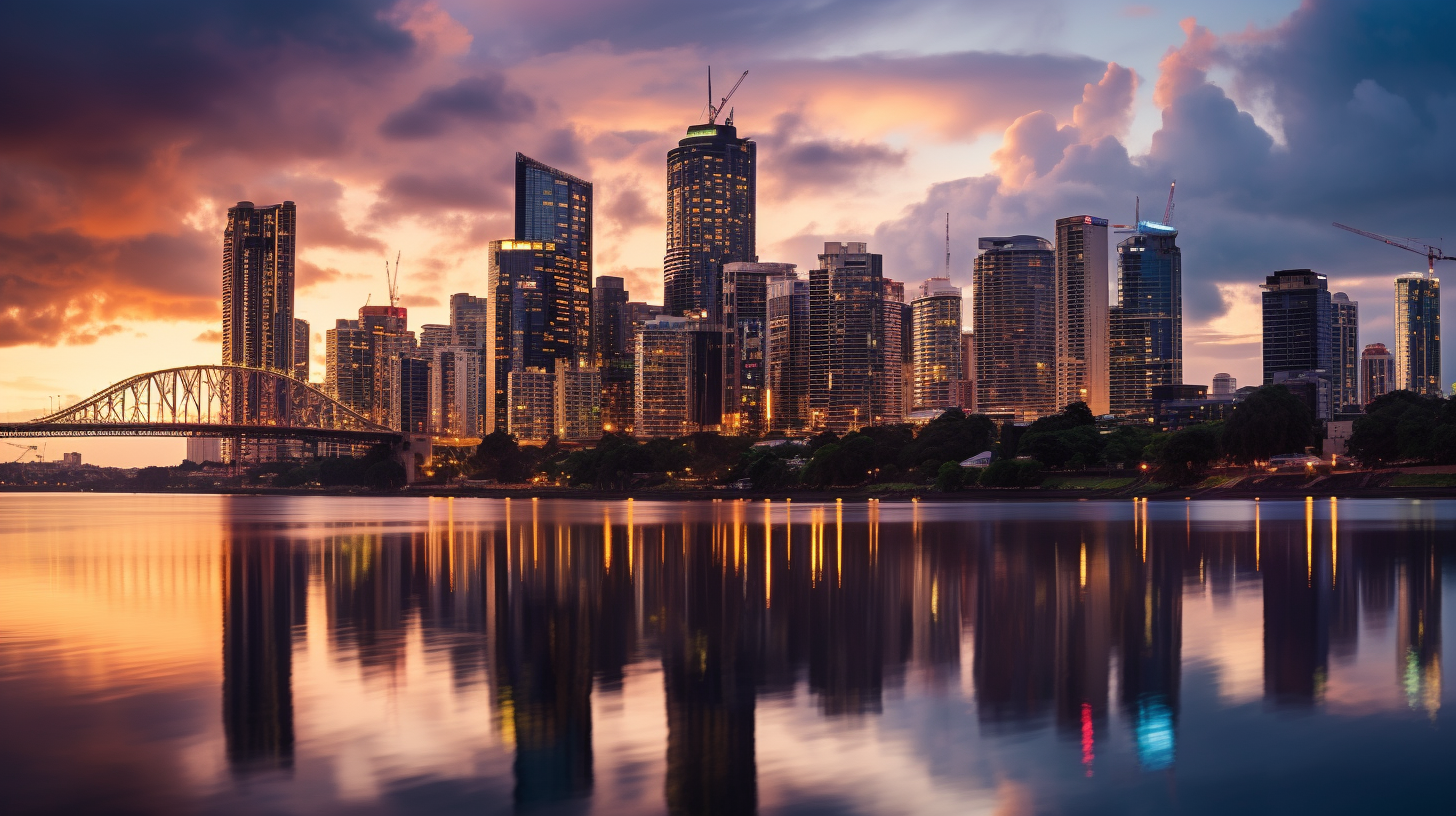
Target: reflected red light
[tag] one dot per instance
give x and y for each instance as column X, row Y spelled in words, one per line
column 1087, row 739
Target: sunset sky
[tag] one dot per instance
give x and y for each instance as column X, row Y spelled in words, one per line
column 130, row 128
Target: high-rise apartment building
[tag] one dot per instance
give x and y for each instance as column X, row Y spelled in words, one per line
column 454, row 392
column 410, row 402
column 1224, row 385
column 744, row 318
column 300, row 349
column 1013, row 297
column 847, row 354
column 1345, row 351
column 937, row 355
column 1377, row 373
column 532, row 399
column 786, row 356
column 1145, row 331
column 608, row 319
column 1418, row 334
column 349, row 365
column 1082, row 312
column 663, row 378
column 469, row 320
column 433, row 336
column 896, row 395
column 1296, row 323
column 555, row 207
column 611, row 331
column 711, row 214
column 389, row 338
column 257, row 286
column 565, row 403
column 967, row 400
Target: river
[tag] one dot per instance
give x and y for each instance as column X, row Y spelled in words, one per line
column 179, row 654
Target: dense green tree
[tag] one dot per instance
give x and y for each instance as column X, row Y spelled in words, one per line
column 950, row 477
column 1012, row 473
column 1127, row 445
column 1187, row 454
column 1068, row 438
column 951, row 437
column 1403, row 425
column 499, row 457
column 386, row 474
column 1268, row 422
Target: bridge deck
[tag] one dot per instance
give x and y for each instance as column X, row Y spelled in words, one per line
column 74, row 429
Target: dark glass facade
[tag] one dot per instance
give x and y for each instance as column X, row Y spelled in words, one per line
column 786, row 355
column 412, row 400
column 519, row 282
column 556, row 208
column 1345, row 349
column 711, row 215
column 1418, row 334
column 745, row 319
column 1146, row 328
column 1013, row 301
column 611, row 331
column 1296, row 323
column 847, row 356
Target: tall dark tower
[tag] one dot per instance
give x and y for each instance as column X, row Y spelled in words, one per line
column 257, row 286
column 1146, row 328
column 711, row 213
column 556, row 208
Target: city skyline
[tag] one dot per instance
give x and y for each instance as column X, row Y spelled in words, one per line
column 1000, row 167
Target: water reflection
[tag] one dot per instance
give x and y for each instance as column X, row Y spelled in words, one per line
column 542, row 618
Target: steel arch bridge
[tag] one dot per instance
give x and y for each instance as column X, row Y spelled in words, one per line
column 212, row 401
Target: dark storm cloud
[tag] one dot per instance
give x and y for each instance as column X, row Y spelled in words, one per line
column 478, row 102
column 119, row 117
column 408, row 193
column 806, row 162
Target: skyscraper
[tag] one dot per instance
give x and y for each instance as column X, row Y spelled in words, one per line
column 1082, row 312
column 300, row 349
column 663, row 378
column 518, row 287
column 745, row 321
column 1146, row 329
column 613, row 357
column 410, row 402
column 711, row 213
column 349, row 365
column 936, row 329
column 1224, row 385
column 1013, row 297
column 896, row 395
column 1296, row 323
column 1345, row 350
column 556, row 208
column 847, row 355
column 608, row 319
column 389, row 338
column 257, row 286
column 967, row 386
column 1418, row 334
column 1377, row 372
column 786, row 355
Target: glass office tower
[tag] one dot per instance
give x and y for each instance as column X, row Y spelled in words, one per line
column 847, row 343
column 936, row 338
column 1146, row 328
column 1296, row 323
column 711, row 211
column 556, row 208
column 1082, row 312
column 1418, row 334
column 1345, row 350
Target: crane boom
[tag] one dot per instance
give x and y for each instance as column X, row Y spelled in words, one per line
column 1168, row 210
column 714, row 111
column 1432, row 253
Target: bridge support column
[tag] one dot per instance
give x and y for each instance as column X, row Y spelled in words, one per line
column 414, row 452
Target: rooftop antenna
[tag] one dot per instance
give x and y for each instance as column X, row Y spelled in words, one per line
column 392, row 280
column 947, row 246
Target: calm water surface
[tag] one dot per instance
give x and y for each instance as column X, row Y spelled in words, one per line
column 205, row 654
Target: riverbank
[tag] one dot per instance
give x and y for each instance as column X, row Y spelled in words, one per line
column 1402, row 483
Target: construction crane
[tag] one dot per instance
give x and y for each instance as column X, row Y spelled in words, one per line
column 1137, row 217
column 1168, row 210
column 25, row 450
column 1432, row 254
column 392, row 280
column 714, row 111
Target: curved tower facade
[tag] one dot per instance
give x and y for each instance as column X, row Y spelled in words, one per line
column 1014, row 314
column 711, row 211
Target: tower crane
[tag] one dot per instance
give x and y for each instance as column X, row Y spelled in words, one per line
column 1432, row 253
column 714, row 111
column 25, row 450
column 392, row 280
column 1137, row 218
column 1168, row 210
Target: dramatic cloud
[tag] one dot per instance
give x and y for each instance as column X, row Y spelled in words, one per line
column 480, row 102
